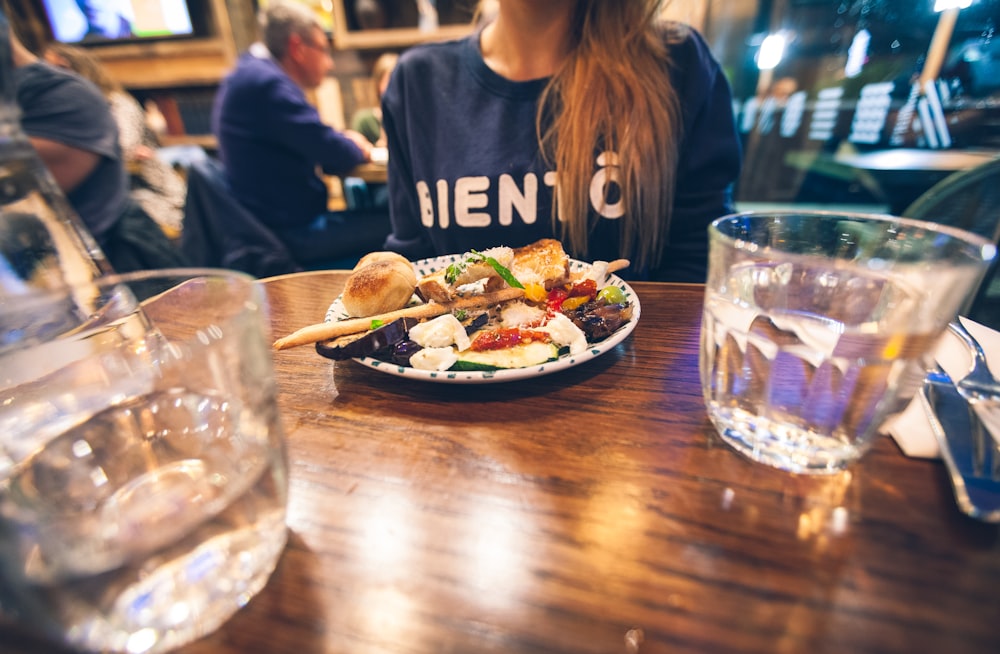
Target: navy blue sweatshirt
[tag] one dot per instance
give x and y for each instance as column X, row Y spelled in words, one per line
column 465, row 170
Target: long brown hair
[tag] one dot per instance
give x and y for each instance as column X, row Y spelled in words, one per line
column 613, row 93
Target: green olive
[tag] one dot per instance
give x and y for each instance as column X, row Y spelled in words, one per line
column 611, row 295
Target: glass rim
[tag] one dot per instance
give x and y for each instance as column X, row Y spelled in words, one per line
column 987, row 249
column 111, row 279
column 36, row 297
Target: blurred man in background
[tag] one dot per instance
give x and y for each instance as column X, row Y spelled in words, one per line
column 272, row 141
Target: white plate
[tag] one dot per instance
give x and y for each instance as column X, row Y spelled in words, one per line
column 594, row 350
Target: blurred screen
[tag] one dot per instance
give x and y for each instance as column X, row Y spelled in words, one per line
column 75, row 21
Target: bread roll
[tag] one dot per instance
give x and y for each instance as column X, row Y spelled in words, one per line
column 378, row 287
column 372, row 257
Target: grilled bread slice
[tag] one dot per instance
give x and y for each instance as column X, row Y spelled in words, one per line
column 542, row 262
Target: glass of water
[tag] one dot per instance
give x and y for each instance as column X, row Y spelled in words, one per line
column 819, row 326
column 143, row 478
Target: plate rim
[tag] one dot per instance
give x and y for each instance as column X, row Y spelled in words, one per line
column 594, row 350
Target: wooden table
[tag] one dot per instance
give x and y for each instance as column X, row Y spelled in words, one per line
column 371, row 172
column 591, row 510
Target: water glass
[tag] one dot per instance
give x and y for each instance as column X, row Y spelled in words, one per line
column 818, row 327
column 143, row 478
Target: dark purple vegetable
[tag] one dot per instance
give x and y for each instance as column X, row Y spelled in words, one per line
column 368, row 343
column 477, row 321
column 598, row 320
column 400, row 353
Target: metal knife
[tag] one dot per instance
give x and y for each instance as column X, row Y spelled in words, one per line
column 956, row 426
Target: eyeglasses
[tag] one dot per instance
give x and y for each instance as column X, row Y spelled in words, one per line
column 320, row 47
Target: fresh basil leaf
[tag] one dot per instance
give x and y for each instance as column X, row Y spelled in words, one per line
column 504, row 273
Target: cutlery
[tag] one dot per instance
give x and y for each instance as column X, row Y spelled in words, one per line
column 968, row 449
column 979, row 387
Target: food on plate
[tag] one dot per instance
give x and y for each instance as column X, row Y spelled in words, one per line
column 381, row 282
column 555, row 313
column 327, row 330
column 476, row 272
column 385, row 255
column 518, row 333
column 361, row 344
column 480, row 268
column 496, row 309
column 543, row 263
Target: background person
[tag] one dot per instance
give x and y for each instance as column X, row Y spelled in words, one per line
column 272, row 140
column 368, row 121
column 70, row 126
column 155, row 185
column 634, row 115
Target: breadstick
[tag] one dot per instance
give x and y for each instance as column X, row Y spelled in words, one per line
column 618, row 264
column 327, row 330
column 613, row 267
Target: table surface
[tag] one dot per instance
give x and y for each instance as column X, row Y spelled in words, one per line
column 590, row 510
column 372, row 172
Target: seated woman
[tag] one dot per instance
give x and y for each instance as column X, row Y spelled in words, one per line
column 588, row 121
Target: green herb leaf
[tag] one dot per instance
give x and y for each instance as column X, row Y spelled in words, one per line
column 503, row 272
column 452, row 272
column 376, row 323
column 461, row 314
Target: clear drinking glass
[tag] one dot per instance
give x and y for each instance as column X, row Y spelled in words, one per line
column 143, row 479
column 818, row 326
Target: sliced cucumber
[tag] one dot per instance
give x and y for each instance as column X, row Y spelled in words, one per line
column 519, row 356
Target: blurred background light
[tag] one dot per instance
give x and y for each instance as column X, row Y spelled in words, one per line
column 772, row 49
column 943, row 5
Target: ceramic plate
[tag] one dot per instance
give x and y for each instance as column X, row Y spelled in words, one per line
column 594, row 350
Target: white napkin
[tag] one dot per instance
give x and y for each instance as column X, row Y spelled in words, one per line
column 910, row 428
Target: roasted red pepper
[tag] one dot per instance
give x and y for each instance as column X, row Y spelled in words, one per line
column 555, row 300
column 586, row 288
column 584, row 292
column 500, row 339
